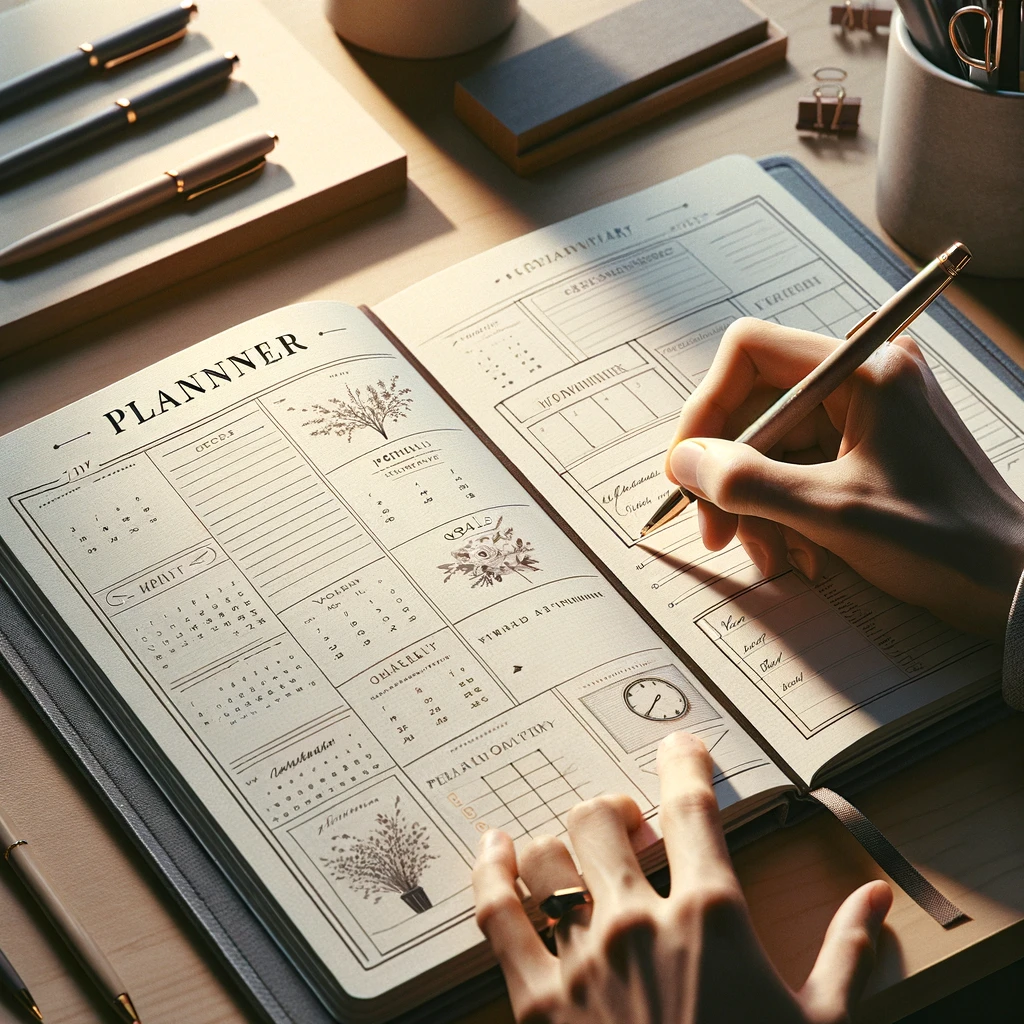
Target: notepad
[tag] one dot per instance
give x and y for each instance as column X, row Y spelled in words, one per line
column 625, row 68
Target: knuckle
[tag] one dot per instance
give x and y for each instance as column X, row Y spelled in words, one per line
column 627, row 926
column 602, row 806
column 716, row 902
column 540, row 850
column 539, row 1008
column 493, row 909
column 693, row 800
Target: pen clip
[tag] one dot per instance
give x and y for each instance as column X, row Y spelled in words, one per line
column 225, row 179
column 125, row 57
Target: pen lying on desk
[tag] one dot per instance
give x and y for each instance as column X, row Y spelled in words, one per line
column 884, row 324
column 15, row 851
column 108, row 52
column 117, row 118
column 189, row 181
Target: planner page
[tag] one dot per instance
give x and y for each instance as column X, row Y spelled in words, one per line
column 350, row 637
column 574, row 348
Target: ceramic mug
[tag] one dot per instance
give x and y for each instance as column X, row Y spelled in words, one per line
column 950, row 163
column 420, row 28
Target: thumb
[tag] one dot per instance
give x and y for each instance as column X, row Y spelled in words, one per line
column 739, row 479
column 847, row 955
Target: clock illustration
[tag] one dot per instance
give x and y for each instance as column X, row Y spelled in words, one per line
column 655, row 699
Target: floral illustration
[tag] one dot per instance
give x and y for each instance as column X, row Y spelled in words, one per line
column 391, row 858
column 488, row 558
column 343, row 417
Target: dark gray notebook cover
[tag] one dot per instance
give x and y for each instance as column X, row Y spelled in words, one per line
column 266, row 979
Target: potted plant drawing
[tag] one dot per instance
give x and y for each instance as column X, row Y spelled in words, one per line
column 365, row 408
column 392, row 858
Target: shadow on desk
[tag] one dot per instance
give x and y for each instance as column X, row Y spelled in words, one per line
column 424, row 91
column 289, row 269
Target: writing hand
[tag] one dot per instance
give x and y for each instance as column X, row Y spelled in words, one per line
column 884, row 474
column 690, row 958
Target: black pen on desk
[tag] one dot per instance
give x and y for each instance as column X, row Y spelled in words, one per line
column 101, row 55
column 17, row 989
column 120, row 116
column 16, row 853
column 878, row 327
column 187, row 181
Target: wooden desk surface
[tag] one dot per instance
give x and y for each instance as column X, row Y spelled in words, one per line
column 959, row 815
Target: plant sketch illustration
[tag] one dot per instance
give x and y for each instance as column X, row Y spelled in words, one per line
column 370, row 407
column 489, row 557
column 392, row 858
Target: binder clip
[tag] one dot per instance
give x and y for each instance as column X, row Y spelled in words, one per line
column 866, row 17
column 828, row 110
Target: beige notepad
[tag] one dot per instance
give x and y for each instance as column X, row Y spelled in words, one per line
column 331, row 156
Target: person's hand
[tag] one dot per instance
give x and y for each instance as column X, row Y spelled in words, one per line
column 637, row 957
column 884, row 474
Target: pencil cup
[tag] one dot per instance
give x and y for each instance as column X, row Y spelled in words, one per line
column 950, row 163
column 420, row 28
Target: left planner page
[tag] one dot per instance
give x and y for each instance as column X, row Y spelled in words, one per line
column 341, row 635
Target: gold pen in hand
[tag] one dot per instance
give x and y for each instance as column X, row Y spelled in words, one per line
column 17, row 854
column 884, row 324
column 189, row 181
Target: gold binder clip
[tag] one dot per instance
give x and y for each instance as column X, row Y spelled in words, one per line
column 853, row 16
column 829, row 110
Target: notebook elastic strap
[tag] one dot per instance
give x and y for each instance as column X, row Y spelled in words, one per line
column 890, row 860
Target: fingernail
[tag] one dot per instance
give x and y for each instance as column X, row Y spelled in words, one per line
column 800, row 561
column 881, row 901
column 684, row 459
column 490, row 839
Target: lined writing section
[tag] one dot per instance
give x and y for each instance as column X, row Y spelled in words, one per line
column 820, row 653
column 268, row 508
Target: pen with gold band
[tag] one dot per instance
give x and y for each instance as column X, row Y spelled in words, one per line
column 118, row 117
column 100, row 55
column 17, row 854
column 878, row 327
column 188, row 181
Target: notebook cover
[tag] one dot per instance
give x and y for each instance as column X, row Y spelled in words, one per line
column 266, row 979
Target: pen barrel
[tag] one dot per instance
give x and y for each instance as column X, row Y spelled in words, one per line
column 891, row 318
column 142, row 34
column 221, row 162
column 78, row 939
column 87, row 222
column 9, row 977
column 60, row 72
column 63, row 142
column 168, row 94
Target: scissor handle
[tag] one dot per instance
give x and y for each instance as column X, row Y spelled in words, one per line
column 990, row 63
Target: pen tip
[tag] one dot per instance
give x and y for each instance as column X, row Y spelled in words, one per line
column 125, row 1010
column 26, row 1000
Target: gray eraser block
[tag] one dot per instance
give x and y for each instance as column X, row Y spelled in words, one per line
column 566, row 81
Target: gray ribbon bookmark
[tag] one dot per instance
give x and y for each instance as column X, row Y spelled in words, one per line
column 890, row 860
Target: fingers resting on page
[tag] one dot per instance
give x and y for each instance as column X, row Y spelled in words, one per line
column 634, row 955
column 883, row 474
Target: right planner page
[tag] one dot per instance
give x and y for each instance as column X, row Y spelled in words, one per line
column 574, row 347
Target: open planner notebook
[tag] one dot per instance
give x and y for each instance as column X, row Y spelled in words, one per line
column 358, row 585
